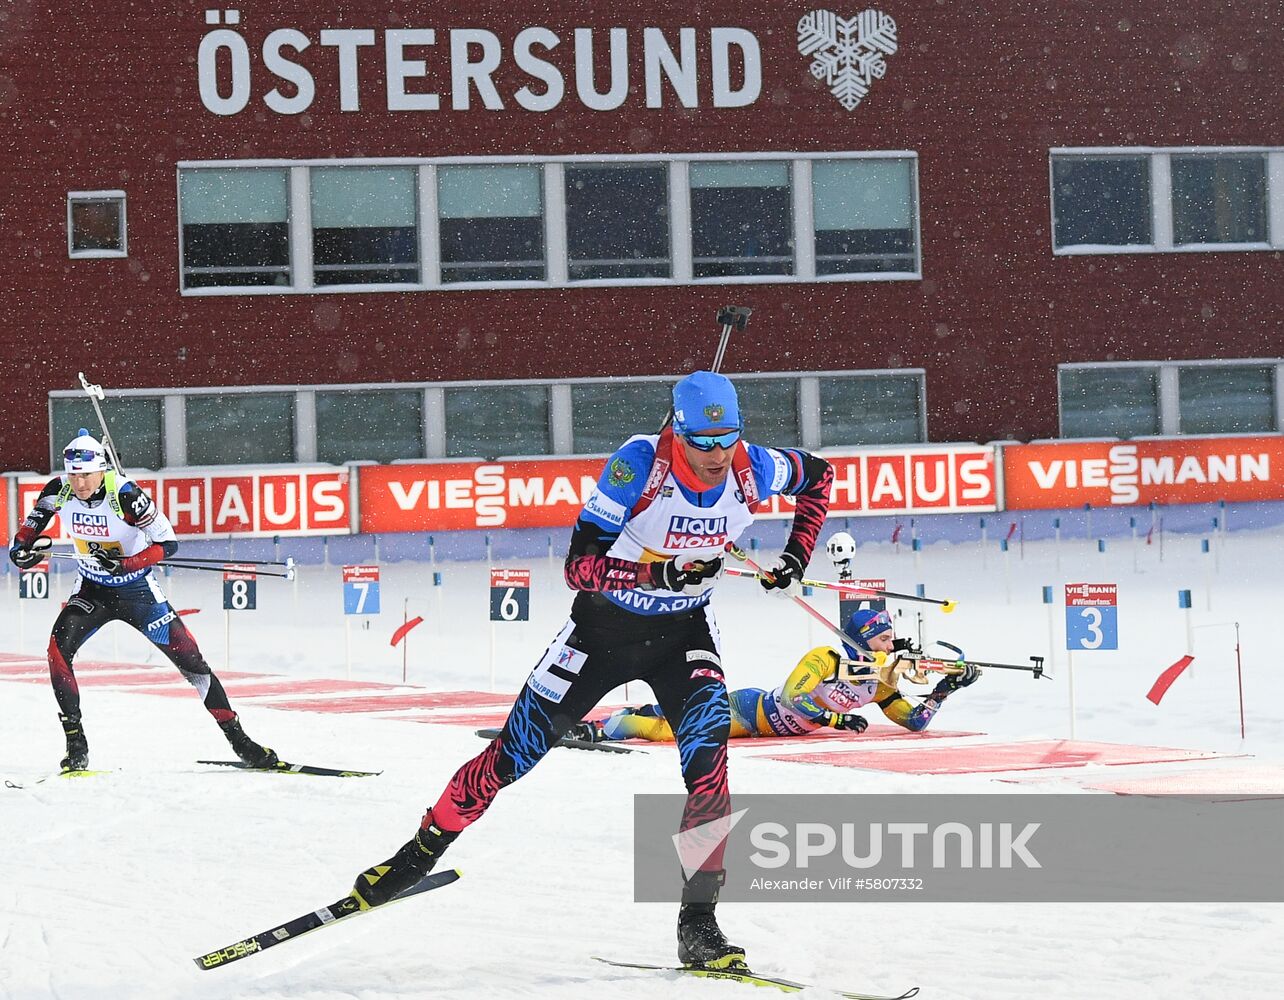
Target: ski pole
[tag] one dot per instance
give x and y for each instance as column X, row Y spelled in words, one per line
column 288, row 563
column 758, row 571
column 728, row 316
column 95, row 393
column 231, row 567
column 223, row 567
column 845, row 588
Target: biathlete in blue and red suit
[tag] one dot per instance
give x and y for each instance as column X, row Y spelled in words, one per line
column 118, row 535
column 644, row 558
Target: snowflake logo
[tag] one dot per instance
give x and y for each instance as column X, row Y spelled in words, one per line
column 848, row 52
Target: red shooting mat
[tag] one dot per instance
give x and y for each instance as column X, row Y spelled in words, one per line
column 982, row 758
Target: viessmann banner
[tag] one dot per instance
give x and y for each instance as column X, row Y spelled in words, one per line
column 548, row 493
column 1172, row 471
column 250, row 502
column 4, row 513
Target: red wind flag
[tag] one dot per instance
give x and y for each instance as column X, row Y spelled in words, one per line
column 401, row 632
column 1165, row 680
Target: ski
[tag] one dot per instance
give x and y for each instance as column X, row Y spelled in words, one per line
column 288, row 931
column 745, row 975
column 69, row 774
column 566, row 741
column 284, row 767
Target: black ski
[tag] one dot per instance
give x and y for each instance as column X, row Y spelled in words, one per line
column 288, row 931
column 745, row 975
column 566, row 741
column 284, row 767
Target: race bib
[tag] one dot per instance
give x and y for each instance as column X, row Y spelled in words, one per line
column 87, row 548
column 558, row 669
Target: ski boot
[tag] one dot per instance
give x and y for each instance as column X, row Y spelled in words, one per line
column 251, row 753
column 701, row 943
column 587, row 732
column 77, row 758
column 416, row 858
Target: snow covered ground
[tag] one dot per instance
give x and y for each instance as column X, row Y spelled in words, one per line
column 109, row 885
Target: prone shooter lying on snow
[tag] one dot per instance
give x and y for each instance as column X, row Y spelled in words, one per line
column 824, row 690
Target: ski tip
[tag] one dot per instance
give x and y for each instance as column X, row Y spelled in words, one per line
column 949, row 606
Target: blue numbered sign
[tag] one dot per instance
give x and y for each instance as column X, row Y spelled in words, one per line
column 1092, row 616
column 360, row 590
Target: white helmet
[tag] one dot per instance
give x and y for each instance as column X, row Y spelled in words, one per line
column 841, row 547
column 84, row 453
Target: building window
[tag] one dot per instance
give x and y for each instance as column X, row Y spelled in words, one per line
column 1219, row 199
column 741, row 219
column 1109, row 402
column 606, row 414
column 363, row 226
column 864, row 216
column 769, row 410
column 235, row 227
column 492, row 420
column 617, row 221
column 488, row 420
column 240, row 428
column 377, row 425
column 96, row 224
column 1231, row 399
column 135, row 424
column 1165, row 200
column 1101, row 201
column 871, row 409
column 492, row 223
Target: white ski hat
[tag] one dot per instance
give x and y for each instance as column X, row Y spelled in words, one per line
column 84, row 453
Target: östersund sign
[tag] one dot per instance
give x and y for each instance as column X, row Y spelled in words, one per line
column 418, row 63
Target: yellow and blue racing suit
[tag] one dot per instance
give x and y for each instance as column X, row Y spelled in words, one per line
column 811, row 698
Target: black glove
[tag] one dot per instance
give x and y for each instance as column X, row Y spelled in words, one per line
column 785, row 573
column 680, row 573
column 108, row 562
column 952, row 682
column 24, row 557
column 850, row 723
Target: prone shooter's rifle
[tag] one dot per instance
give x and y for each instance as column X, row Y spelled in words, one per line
column 912, row 664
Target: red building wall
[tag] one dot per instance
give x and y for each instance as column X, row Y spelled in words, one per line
column 104, row 95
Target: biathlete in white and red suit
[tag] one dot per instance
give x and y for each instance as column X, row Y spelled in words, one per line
column 644, row 557
column 118, row 535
